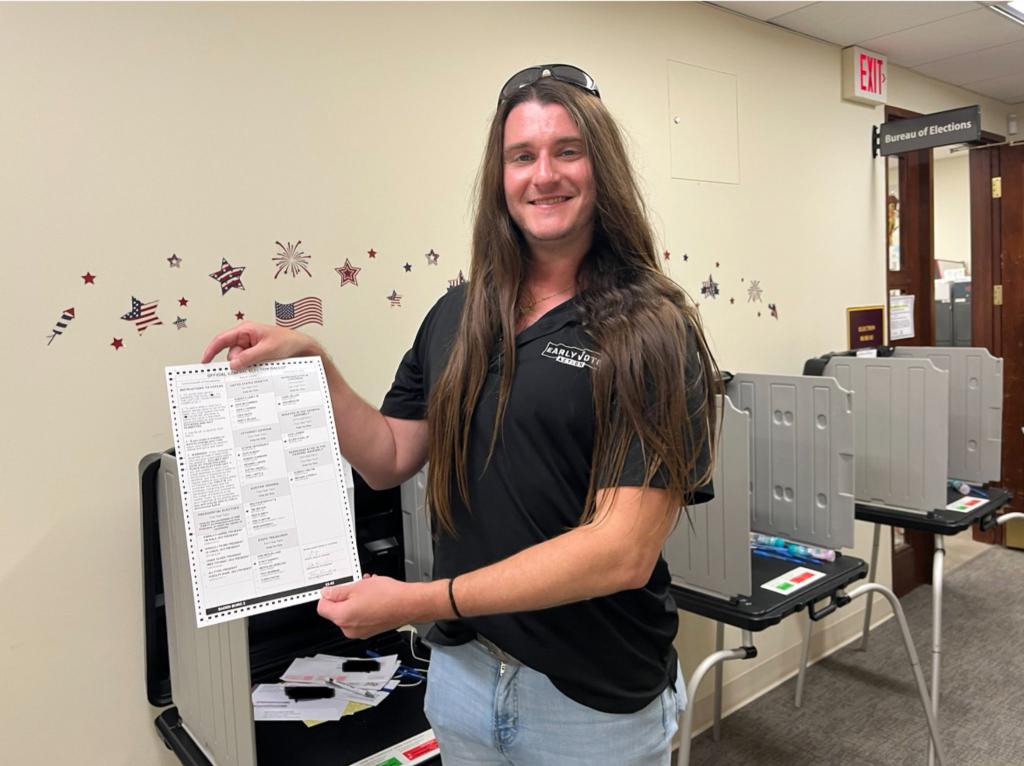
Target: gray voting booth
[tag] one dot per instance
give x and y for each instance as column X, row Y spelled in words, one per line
column 212, row 669
column 925, row 416
column 786, row 468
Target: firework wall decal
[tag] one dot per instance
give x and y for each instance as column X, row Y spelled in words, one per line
column 62, row 324
column 754, row 291
column 291, row 260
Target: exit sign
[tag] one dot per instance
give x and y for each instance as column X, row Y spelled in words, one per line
column 864, row 76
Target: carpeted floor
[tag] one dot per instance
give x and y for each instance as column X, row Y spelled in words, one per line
column 862, row 708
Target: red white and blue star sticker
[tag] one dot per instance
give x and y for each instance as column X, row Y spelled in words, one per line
column 228, row 276
column 349, row 273
column 142, row 315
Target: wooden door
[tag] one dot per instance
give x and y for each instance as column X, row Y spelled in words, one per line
column 1011, row 324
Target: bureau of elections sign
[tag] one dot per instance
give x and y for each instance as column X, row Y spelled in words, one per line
column 956, row 126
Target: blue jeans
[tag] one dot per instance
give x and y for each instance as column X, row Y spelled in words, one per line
column 484, row 711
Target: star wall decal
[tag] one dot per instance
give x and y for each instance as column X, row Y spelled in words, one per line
column 372, row 253
column 183, row 301
column 459, row 280
column 239, row 316
column 180, row 323
column 709, row 288
column 432, row 257
column 774, row 310
column 667, row 255
column 142, row 315
column 117, row 343
column 228, row 276
column 89, row 278
column 349, row 273
column 395, row 299
column 407, row 267
column 174, row 261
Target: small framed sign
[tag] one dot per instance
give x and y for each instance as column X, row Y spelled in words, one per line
column 865, row 326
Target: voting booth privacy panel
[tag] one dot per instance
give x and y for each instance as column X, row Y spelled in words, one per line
column 926, row 418
column 208, row 672
column 923, row 415
column 785, row 468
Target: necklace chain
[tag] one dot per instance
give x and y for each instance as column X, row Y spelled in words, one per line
column 526, row 308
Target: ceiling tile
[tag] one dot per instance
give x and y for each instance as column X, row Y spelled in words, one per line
column 946, row 38
column 1008, row 89
column 763, row 11
column 985, row 64
column 846, row 23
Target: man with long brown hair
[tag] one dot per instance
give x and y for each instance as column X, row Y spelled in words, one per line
column 564, row 398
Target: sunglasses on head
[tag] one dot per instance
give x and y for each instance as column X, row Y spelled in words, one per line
column 561, row 72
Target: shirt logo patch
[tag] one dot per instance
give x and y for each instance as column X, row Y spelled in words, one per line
column 571, row 355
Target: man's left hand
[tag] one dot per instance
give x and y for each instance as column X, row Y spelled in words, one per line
column 368, row 607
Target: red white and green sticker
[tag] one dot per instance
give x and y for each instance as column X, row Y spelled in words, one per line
column 413, row 750
column 793, row 580
column 966, row 504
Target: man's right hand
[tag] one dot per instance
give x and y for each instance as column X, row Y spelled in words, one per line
column 250, row 343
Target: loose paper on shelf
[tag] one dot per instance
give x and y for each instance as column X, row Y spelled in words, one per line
column 263, row 486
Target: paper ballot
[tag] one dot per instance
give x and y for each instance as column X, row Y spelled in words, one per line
column 263, row 486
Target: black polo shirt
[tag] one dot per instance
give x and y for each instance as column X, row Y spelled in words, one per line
column 612, row 653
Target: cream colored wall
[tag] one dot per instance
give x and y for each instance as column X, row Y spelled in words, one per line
column 952, row 207
column 131, row 132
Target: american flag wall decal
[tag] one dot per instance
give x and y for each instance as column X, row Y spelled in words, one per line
column 303, row 311
column 142, row 314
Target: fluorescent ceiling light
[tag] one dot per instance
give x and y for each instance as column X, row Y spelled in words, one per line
column 1014, row 11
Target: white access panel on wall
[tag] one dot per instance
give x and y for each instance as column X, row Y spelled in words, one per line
column 801, row 456
column 712, row 555
column 703, row 123
column 975, row 409
column 902, row 427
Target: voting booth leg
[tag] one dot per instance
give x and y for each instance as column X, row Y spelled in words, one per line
column 716, row 727
column 804, row 650
column 742, row 653
column 915, row 665
column 937, row 563
column 871, row 574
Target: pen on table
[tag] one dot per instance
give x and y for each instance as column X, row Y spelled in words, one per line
column 966, row 489
column 774, row 553
column 350, row 689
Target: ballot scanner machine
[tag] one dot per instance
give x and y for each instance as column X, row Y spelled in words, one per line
column 204, row 676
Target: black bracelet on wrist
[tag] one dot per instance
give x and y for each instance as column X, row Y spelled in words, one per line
column 451, row 598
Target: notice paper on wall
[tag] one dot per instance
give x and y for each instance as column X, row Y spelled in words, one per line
column 901, row 317
column 263, row 486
